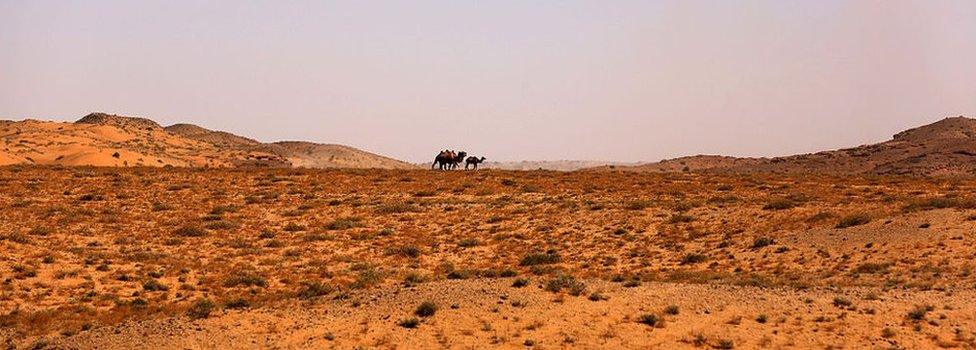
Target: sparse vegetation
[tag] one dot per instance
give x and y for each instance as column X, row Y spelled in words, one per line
column 426, row 309
column 397, row 208
column 349, row 240
column 246, row 279
column 941, row 203
column 693, row 258
column 842, row 302
column 648, row 319
column 190, row 231
column 566, row 282
column 237, row 303
column 780, row 204
column 871, row 268
column 40, row 231
column 468, row 243
column 520, row 282
column 201, row 309
column 411, row 322
column 918, row 313
column 681, row 218
column 887, row 332
column 853, row 220
column 638, row 205
column 153, row 285
column 761, row 242
column 344, row 223
column 313, row 289
column 293, row 227
column 549, row 257
column 408, row 251
column 671, row 310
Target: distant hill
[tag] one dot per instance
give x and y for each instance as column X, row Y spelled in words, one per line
column 946, row 147
column 558, row 165
column 215, row 137
column 101, row 139
column 317, row 155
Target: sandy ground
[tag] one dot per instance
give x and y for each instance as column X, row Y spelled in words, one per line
column 236, row 258
column 491, row 313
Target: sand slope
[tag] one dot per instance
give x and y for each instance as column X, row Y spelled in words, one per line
column 100, row 139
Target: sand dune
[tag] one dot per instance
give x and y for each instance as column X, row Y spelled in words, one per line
column 100, row 139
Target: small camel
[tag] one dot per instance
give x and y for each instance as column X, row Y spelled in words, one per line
column 472, row 160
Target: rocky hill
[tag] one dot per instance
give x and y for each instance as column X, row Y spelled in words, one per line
column 118, row 121
column 100, row 139
column 946, row 147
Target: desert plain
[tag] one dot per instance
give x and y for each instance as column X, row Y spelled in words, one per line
column 353, row 258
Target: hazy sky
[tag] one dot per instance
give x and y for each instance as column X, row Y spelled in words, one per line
column 539, row 80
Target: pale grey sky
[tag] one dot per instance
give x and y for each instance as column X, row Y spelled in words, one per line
column 536, row 80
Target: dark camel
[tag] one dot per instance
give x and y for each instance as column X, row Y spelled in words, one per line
column 442, row 159
column 448, row 159
column 456, row 163
column 472, row 160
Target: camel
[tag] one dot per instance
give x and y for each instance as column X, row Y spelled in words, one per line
column 448, row 159
column 442, row 159
column 472, row 160
column 456, row 162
